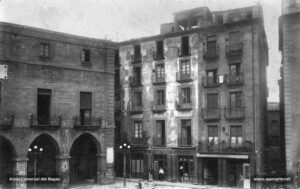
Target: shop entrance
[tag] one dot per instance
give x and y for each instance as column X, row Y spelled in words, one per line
column 238, row 174
column 210, row 171
column 187, row 163
column 160, row 161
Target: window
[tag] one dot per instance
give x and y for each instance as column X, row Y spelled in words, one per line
column 235, row 69
column 137, row 53
column 211, row 43
column 274, row 141
column 137, row 79
column 212, row 101
column 137, row 165
column 235, row 37
column 249, row 14
column 213, row 138
column 43, row 106
column 236, row 135
column 137, row 98
column 85, row 55
column 212, row 77
column 185, row 97
column 159, row 50
column 185, row 47
column 85, row 108
column 160, row 132
column 160, row 97
column 185, row 67
column 44, row 50
column 160, row 71
column 274, row 124
column 194, row 22
column 186, row 135
column 138, row 129
column 219, row 19
column 236, row 100
column 234, row 17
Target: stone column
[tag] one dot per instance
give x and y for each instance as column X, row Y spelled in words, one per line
column 63, row 170
column 174, row 168
column 20, row 171
column 101, row 168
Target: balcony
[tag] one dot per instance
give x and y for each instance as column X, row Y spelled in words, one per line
column 6, row 121
column 234, row 49
column 158, row 107
column 93, row 123
column 234, row 113
column 159, row 142
column 180, row 77
column 211, row 54
column 45, row 122
column 211, row 114
column 232, row 79
column 135, row 82
column 135, row 109
column 158, row 80
column 180, row 106
column 210, row 82
column 158, row 56
column 225, row 147
column 136, row 59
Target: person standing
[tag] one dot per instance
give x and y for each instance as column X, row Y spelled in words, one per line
column 161, row 173
column 180, row 173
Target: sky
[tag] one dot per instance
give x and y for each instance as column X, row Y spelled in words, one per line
column 120, row 20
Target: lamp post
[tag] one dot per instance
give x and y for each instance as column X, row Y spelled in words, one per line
column 125, row 146
column 35, row 151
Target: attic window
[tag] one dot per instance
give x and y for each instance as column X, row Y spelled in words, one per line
column 194, row 22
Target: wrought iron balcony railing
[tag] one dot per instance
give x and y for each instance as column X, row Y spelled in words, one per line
column 158, row 107
column 135, row 109
column 183, row 106
column 211, row 114
column 235, row 113
column 6, row 121
column 232, row 79
column 157, row 80
column 181, row 77
column 224, row 147
column 234, row 49
column 159, row 141
column 139, row 141
column 158, row 56
column 211, row 54
column 136, row 59
column 92, row 123
column 45, row 122
column 209, row 82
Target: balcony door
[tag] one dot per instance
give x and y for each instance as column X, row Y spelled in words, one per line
column 43, row 106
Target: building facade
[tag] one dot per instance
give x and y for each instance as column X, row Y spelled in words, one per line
column 289, row 44
column 57, row 106
column 275, row 151
column 193, row 98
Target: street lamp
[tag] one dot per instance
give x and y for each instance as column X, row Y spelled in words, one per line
column 35, row 152
column 124, row 147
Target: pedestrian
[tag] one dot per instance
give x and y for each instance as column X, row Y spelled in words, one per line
column 180, row 173
column 140, row 184
column 161, row 173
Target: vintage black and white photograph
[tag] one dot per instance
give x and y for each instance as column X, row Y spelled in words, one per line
column 149, row 94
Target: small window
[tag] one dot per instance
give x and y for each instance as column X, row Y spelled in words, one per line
column 213, row 136
column 185, row 46
column 86, row 55
column 138, row 129
column 185, row 67
column 160, row 97
column 45, row 50
column 235, row 100
column 212, row 101
column 85, row 108
column 186, row 134
column 185, row 97
column 236, row 135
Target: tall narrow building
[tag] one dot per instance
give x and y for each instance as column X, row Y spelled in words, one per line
column 194, row 98
column 289, row 45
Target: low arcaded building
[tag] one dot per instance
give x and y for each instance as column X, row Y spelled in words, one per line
column 56, row 106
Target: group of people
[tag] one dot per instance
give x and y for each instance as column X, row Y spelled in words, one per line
column 161, row 174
